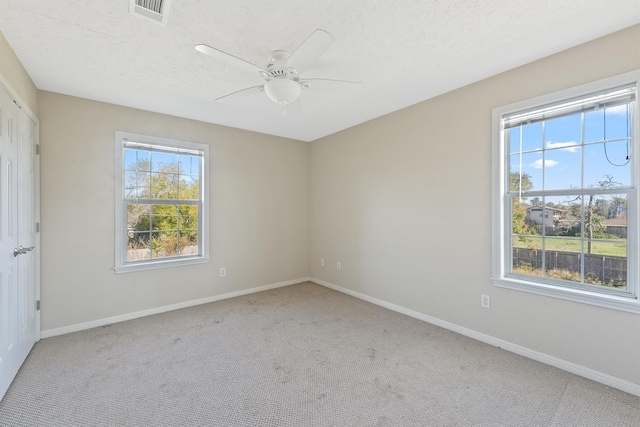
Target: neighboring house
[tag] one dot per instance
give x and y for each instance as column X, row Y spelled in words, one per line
column 550, row 217
column 617, row 226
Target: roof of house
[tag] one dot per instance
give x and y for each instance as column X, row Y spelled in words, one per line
column 615, row 222
column 549, row 208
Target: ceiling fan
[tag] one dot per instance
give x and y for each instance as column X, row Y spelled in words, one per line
column 283, row 83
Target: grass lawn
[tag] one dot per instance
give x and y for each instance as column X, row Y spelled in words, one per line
column 565, row 245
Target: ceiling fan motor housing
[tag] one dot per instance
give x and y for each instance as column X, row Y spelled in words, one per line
column 282, row 84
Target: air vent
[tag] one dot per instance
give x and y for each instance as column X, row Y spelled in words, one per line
column 152, row 10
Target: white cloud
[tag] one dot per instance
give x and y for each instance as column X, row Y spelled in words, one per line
column 569, row 146
column 539, row 164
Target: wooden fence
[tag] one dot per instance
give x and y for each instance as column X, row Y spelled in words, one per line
column 605, row 268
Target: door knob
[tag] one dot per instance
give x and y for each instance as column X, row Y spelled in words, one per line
column 20, row 250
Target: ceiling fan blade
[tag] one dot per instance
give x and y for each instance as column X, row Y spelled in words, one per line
column 330, row 86
column 310, row 50
column 227, row 57
column 242, row 93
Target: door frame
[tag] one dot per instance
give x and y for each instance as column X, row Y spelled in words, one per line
column 6, row 86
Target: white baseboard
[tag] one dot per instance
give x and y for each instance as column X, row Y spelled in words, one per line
column 582, row 371
column 157, row 310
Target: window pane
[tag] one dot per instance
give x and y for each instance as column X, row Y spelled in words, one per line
column 189, row 187
column 522, row 225
column 526, row 172
column 573, row 214
column 164, row 217
column 161, row 162
column 527, row 256
column 594, row 126
column 138, row 235
column 563, row 131
column 512, row 136
column 164, row 244
column 563, row 168
column 609, row 249
column 563, row 265
column 566, row 214
column 138, row 246
column 535, row 219
column 135, row 253
column 607, row 265
column 189, row 165
column 563, row 244
column 164, row 185
column 137, row 160
column 131, row 185
column 617, row 122
column 138, row 217
column 532, row 137
column 559, row 218
column 614, row 209
column 188, row 242
column 606, row 165
column 188, row 219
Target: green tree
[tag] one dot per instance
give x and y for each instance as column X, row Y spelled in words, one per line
column 165, row 227
column 596, row 210
column 593, row 218
column 617, row 207
column 519, row 181
column 519, row 208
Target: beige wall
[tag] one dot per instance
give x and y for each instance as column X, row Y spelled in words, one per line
column 13, row 71
column 259, row 199
column 404, row 203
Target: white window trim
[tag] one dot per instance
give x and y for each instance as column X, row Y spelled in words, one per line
column 499, row 226
column 120, row 211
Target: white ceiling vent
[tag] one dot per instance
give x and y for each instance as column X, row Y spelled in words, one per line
column 152, row 10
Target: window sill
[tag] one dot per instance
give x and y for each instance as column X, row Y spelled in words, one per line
column 628, row 304
column 153, row 265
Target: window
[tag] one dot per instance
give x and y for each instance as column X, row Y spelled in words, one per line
column 161, row 202
column 565, row 194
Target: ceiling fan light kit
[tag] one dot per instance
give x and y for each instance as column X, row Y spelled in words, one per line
column 282, row 74
column 282, row 91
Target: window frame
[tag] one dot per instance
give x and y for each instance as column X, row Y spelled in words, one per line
column 501, row 221
column 121, row 240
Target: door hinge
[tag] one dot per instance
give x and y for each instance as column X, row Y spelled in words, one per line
column 37, row 227
column 38, row 305
column 37, row 149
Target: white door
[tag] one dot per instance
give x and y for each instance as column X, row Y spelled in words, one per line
column 19, row 318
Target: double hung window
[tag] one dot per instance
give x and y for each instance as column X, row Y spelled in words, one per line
column 161, row 206
column 565, row 195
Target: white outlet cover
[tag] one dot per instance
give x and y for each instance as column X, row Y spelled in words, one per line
column 485, row 301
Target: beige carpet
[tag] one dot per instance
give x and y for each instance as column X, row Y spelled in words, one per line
column 302, row 355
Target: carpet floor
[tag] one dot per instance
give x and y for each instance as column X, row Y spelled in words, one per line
column 302, row 355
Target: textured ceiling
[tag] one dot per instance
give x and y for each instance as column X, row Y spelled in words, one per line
column 404, row 51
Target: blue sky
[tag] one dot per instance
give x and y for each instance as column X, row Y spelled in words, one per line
column 559, row 151
column 189, row 165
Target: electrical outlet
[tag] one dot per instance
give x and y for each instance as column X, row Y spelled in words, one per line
column 223, row 272
column 338, row 265
column 321, row 261
column 485, row 301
